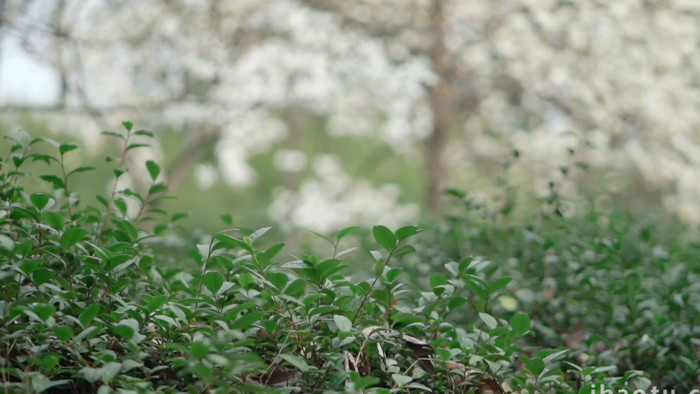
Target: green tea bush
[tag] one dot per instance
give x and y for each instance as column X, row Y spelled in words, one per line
column 91, row 304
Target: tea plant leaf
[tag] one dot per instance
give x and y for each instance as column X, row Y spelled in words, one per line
column 344, row 324
column 298, row 362
column 347, row 231
column 72, row 236
column 520, row 324
column 153, row 169
column 89, row 313
column 105, row 373
column 384, row 237
column 65, row 148
column 401, row 380
column 213, row 281
column 40, row 200
column 407, row 231
column 489, row 320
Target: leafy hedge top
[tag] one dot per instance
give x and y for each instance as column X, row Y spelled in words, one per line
column 90, row 305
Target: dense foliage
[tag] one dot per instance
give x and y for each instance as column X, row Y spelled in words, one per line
column 91, row 301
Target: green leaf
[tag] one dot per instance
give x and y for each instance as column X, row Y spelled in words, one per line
column 404, row 250
column 520, row 324
column 105, row 373
column 347, row 231
column 227, row 218
column 29, row 266
column 89, row 313
column 246, row 281
column 153, row 169
column 41, row 383
column 198, row 350
column 296, row 361
column 45, row 158
column 6, row 243
column 54, row 180
column 40, row 200
column 128, row 125
column 63, row 333
column 113, row 134
column 55, row 220
column 213, row 281
column 157, row 188
column 296, row 289
column 233, row 243
column 384, row 237
column 344, row 324
column 71, row 237
column 535, row 366
column 123, row 331
column 393, row 274
column 247, row 320
column 179, row 216
column 278, row 279
column 362, row 382
column 499, row 284
column 259, row 233
column 144, row 133
column 155, row 303
column 81, row 169
column 401, row 380
column 134, row 146
column 490, row 321
column 407, row 231
column 65, row 148
column 43, row 275
column 44, row 311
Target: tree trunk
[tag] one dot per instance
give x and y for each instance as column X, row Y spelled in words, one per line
column 441, row 103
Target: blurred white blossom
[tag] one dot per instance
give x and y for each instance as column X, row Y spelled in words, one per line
column 333, row 200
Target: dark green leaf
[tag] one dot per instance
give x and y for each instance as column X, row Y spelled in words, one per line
column 134, row 146
column 347, row 231
column 384, row 237
column 213, row 281
column 65, row 148
column 407, row 231
column 44, row 311
column 490, row 321
column 63, row 333
column 128, row 125
column 55, row 220
column 404, row 250
column 296, row 361
column 89, row 313
column 154, row 303
column 343, row 323
column 259, row 233
column 247, row 320
column 499, row 284
column 54, row 180
column 40, row 200
column 179, row 216
column 153, row 169
column 157, row 188
column 520, row 324
column 81, row 169
column 144, row 133
column 123, row 331
column 71, row 237
column 43, row 275
column 45, row 158
column 278, row 279
column 113, row 134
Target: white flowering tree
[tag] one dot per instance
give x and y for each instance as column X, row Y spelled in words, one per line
column 455, row 84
